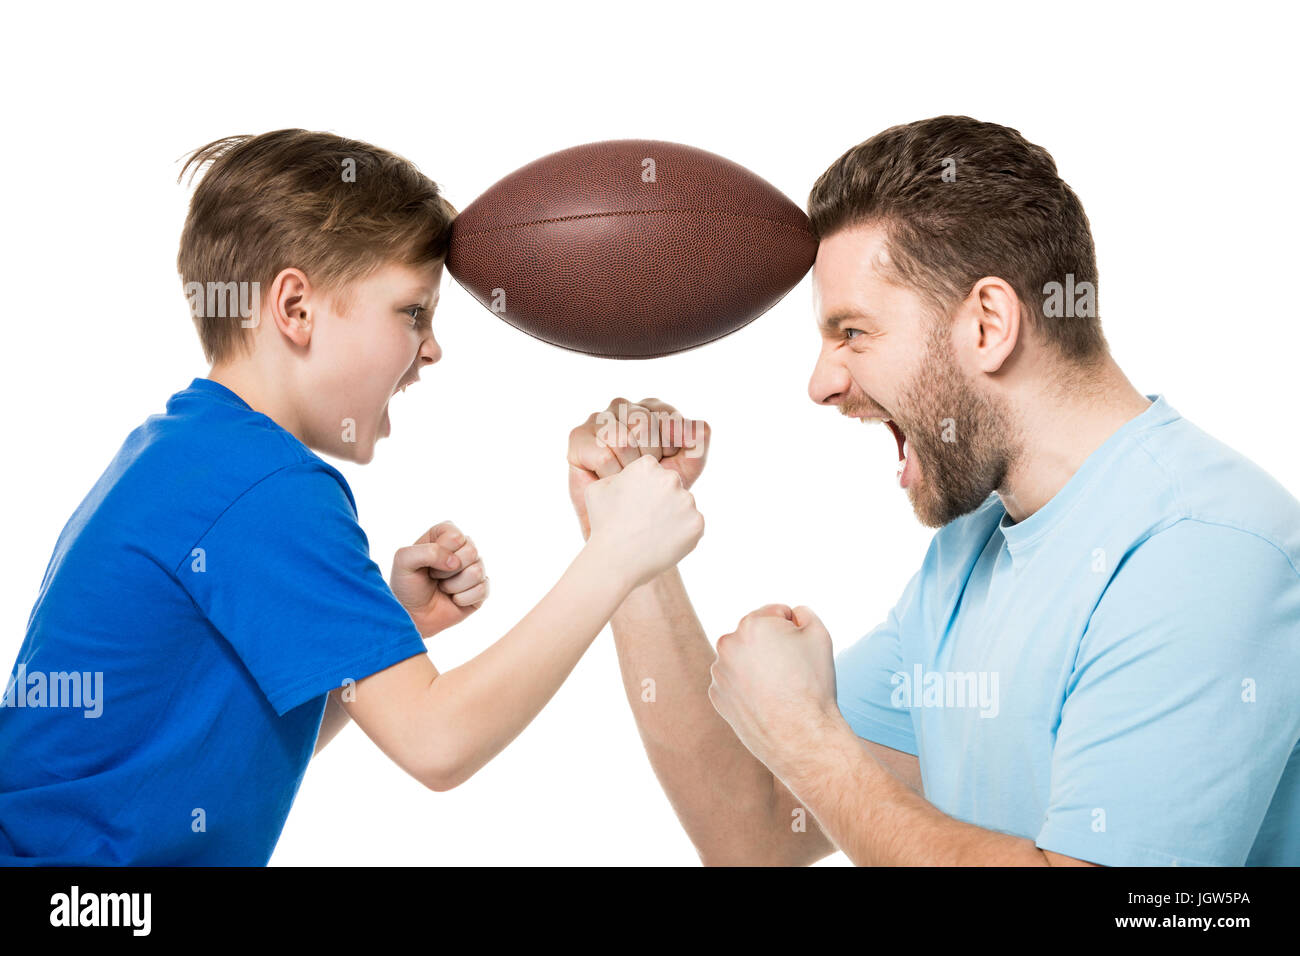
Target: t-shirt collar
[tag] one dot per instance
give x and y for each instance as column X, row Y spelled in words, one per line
column 1023, row 535
column 215, row 390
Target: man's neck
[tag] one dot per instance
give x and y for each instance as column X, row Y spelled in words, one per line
column 1060, row 430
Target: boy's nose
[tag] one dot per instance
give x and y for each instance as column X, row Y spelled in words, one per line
column 430, row 351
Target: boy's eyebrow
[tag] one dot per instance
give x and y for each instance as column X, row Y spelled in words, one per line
column 421, row 292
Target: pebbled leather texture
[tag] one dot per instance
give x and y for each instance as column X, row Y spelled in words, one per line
column 592, row 257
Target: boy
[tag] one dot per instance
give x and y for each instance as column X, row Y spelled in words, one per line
column 214, row 593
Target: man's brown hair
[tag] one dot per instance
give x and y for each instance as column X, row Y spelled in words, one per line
column 961, row 200
column 335, row 208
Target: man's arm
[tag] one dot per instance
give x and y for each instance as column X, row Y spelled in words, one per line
column 732, row 807
column 774, row 683
column 877, row 821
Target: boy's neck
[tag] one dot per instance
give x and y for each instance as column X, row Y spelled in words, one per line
column 249, row 383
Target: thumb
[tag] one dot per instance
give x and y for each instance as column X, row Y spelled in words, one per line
column 803, row 616
column 437, row 558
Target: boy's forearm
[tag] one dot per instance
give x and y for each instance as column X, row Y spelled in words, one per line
column 486, row 702
column 726, row 799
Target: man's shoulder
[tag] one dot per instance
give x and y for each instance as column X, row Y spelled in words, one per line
column 1206, row 540
column 1212, row 492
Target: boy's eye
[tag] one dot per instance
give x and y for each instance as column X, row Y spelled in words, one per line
column 415, row 312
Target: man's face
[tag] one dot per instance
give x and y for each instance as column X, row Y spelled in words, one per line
column 884, row 356
column 366, row 352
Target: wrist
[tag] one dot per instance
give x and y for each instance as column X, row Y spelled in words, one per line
column 823, row 740
column 605, row 566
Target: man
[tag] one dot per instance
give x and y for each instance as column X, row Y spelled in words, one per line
column 1097, row 661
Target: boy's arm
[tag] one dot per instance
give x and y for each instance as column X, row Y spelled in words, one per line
column 441, row 728
column 334, row 720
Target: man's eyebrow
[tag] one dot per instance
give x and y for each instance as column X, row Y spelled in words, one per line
column 831, row 323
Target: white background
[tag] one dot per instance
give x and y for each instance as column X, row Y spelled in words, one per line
column 1175, row 126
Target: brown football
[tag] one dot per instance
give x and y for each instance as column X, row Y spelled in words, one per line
column 630, row 248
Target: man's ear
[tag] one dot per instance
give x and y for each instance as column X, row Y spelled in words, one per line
column 288, row 299
column 997, row 309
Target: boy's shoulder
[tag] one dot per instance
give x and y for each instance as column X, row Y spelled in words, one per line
column 208, row 434
column 180, row 470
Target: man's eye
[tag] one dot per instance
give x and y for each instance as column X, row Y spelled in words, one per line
column 848, row 336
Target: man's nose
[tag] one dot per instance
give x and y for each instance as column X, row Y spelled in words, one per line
column 830, row 380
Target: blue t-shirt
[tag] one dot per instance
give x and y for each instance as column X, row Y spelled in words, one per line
column 1116, row 677
column 212, row 588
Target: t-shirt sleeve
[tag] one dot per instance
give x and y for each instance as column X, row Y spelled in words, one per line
column 865, row 680
column 285, row 575
column 1181, row 711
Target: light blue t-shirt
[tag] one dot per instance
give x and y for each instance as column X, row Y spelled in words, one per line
column 1117, row 677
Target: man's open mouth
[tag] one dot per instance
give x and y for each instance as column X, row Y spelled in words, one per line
column 905, row 476
column 900, row 438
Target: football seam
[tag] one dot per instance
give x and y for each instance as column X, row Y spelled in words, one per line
column 634, row 212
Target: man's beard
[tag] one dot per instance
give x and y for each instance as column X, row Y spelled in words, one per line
column 965, row 440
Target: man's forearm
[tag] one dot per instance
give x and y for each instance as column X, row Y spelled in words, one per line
column 876, row 819
column 728, row 802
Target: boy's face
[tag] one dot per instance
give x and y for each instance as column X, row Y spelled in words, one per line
column 365, row 354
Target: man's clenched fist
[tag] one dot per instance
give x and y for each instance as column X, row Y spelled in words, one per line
column 610, row 440
column 774, row 680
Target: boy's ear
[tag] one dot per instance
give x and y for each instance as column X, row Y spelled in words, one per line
column 288, row 299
